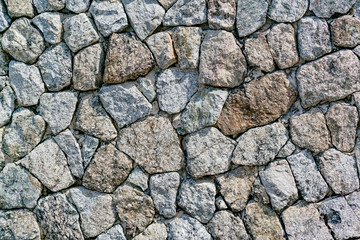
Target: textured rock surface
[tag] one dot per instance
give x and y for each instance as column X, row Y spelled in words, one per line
column 221, row 14
column 346, row 31
column 77, row 6
column 4, row 18
column 138, row 178
column 287, row 10
column 19, row 8
column 155, row 230
column 7, row 105
column 116, row 232
column 146, row 85
column 88, row 148
column 161, row 46
column 250, row 15
column 186, row 12
column 327, row 8
column 49, row 5
column 49, row 23
column 187, row 227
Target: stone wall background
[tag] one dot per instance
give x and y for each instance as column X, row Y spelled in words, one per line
column 179, row 119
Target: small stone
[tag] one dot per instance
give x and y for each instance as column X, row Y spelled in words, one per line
column 58, row 218
column 154, row 231
column 175, row 87
column 339, row 171
column 220, row 203
column 19, row 225
column 187, row 42
column 77, row 6
column 311, row 184
column 146, row 85
column 167, row 3
column 19, row 8
column 127, row 58
column 163, row 189
column 26, row 82
column 23, row 133
column 186, row 12
column 279, row 184
column 208, row 152
column 109, row 16
column 114, row 233
column 262, row 222
column 111, row 161
column 124, row 103
column 330, row 78
column 235, row 186
column 309, row 131
column 89, row 146
column 138, row 178
column 48, row 163
column 161, row 46
column 286, row 150
column 203, row 110
column 250, row 15
column 345, row 31
column 5, row 20
column 185, row 227
column 4, row 61
column 7, row 105
column 260, row 102
column 221, row 14
column 313, row 38
column 326, row 8
column 353, row 200
column 58, row 109
column 79, row 32
column 92, row 119
column 95, row 210
column 259, row 146
column 18, row 188
column 135, row 209
column 258, row 192
column 287, row 10
column 282, row 44
column 303, row 221
column 48, row 5
column 22, row 41
column 49, row 23
column 342, row 120
column 153, row 144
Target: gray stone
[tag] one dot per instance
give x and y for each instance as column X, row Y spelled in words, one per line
column 48, row 164
column 88, row 148
column 48, row 5
column 114, row 233
column 109, row 16
column 20, row 8
column 287, row 10
column 175, row 87
column 77, row 6
column 310, row 183
column 87, row 69
column 4, row 61
column 156, row 231
column 279, row 184
column 23, row 134
column 282, row 44
column 138, row 178
column 258, row 192
column 208, row 152
column 124, row 103
column 286, row 150
column 328, row 79
column 4, row 17
column 313, row 38
column 220, row 203
column 250, row 15
column 342, row 120
column 22, row 41
column 353, row 200
column 185, row 227
column 26, row 82
column 326, row 8
column 79, row 32
column 3, row 82
column 153, row 144
column 339, row 171
column 186, row 12
column 221, row 14
column 111, row 161
column 146, row 85
column 95, row 210
column 345, row 31
column 162, row 48
column 58, row 218
column 163, row 190
column 203, row 110
column 49, row 23
column 144, row 16
column 167, row 3
column 18, row 188
column 58, row 109
column 222, row 63
column 7, row 105
column 259, row 146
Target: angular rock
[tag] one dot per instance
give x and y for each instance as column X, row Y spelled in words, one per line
column 153, row 144
column 26, row 82
column 163, row 190
column 138, row 178
column 167, row 3
column 23, row 134
column 109, row 16
column 146, row 85
column 220, row 203
column 279, row 183
column 48, row 5
column 345, row 31
column 339, row 171
column 89, row 146
column 353, row 200
column 77, row 6
column 330, row 78
column 58, row 109
column 18, row 188
column 111, row 161
column 4, row 18
column 161, row 46
column 4, row 61
column 175, row 87
column 114, row 233
column 326, row 8
column 287, row 10
column 79, row 32
column 22, row 41
column 185, row 227
column 156, row 231
column 221, row 14
column 19, row 8
column 286, row 150
column 313, row 38
column 124, row 103
column 203, row 110
column 258, row 192
column 342, row 120
column 127, row 58
column 49, row 23
column 311, row 184
column 235, row 186
column 282, row 44
column 58, row 218
column 208, row 152
column 250, row 15
column 309, row 131
column 186, row 12
column 260, row 102
column 7, row 105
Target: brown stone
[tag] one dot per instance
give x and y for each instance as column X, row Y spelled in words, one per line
column 345, row 31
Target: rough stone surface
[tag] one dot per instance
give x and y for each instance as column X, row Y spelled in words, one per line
column 146, row 85
column 185, row 227
column 354, row 203
column 250, row 15
column 138, row 178
column 326, row 8
column 77, row 6
column 4, row 61
column 20, row 8
column 49, row 23
column 186, row 12
column 7, row 105
column 345, row 31
column 88, row 148
column 221, row 14
column 154, row 231
column 4, row 18
column 48, row 5
column 167, row 3
column 286, row 150
column 258, row 192
column 162, row 48
column 287, row 10
column 220, row 203
column 114, row 233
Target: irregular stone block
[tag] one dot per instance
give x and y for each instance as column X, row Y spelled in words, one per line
column 156, row 231
column 326, row 8
column 250, row 15
column 186, row 12
column 184, row 226
column 161, row 46
column 20, row 8
column 7, row 105
column 345, row 31
column 49, row 23
column 221, row 14
column 287, row 10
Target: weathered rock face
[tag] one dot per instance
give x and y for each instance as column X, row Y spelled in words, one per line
column 49, row 5
column 19, row 8
column 327, row 8
column 139, row 178
column 77, row 6
column 346, row 31
column 155, row 230
column 287, row 10
column 250, row 15
column 7, row 105
column 221, row 14
column 4, row 18
column 116, row 232
column 49, row 23
column 186, row 12
column 88, row 148
column 185, row 226
column 161, row 46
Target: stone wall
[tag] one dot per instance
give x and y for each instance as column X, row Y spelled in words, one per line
column 179, row 119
